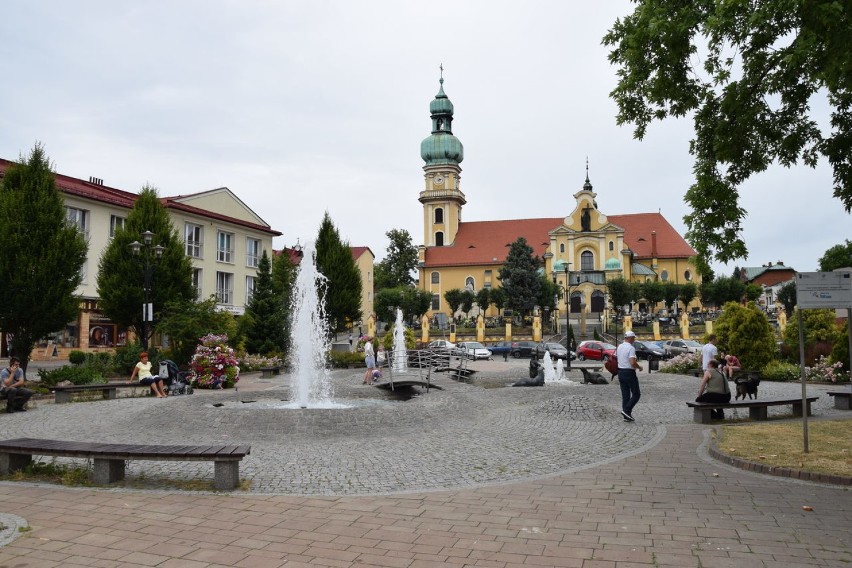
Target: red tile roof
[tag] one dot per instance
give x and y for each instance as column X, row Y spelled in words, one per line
column 121, row 198
column 487, row 242
column 358, row 251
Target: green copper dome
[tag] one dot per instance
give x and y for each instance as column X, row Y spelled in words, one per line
column 613, row 264
column 441, row 147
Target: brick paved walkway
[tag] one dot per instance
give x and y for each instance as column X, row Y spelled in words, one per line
column 651, row 497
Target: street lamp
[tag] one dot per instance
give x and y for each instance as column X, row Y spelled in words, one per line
column 144, row 249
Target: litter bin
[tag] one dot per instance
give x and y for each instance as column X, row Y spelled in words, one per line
column 653, row 364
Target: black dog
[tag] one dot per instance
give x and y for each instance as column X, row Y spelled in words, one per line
column 592, row 377
column 746, row 386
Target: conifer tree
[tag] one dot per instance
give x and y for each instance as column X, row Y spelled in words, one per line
column 41, row 255
column 266, row 310
column 519, row 276
column 334, row 260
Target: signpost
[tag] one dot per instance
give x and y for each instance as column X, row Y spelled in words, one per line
column 820, row 290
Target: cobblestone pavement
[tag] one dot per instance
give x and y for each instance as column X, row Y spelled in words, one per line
column 472, row 475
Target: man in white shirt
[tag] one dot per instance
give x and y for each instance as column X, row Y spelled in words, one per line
column 627, row 378
column 709, row 351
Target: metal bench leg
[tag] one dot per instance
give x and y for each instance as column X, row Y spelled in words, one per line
column 106, row 471
column 226, row 475
column 13, row 462
column 701, row 415
column 62, row 397
column 758, row 413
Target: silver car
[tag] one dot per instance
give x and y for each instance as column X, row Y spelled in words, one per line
column 681, row 346
column 474, row 350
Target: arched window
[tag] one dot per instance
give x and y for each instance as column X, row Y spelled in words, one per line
column 439, row 239
column 587, row 261
column 439, row 215
column 611, row 246
column 469, row 284
column 687, row 275
column 436, row 278
column 561, row 247
column 664, row 275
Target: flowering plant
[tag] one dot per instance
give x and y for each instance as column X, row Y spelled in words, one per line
column 254, row 362
column 823, row 371
column 682, row 364
column 214, row 363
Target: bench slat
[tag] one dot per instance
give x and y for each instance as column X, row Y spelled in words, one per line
column 141, row 451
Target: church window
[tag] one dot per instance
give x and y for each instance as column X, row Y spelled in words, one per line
column 436, row 302
column 562, row 247
column 664, row 275
column 439, row 215
column 587, row 261
column 687, row 275
column 439, row 239
column 611, row 246
column 436, row 278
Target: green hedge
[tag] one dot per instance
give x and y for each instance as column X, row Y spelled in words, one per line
column 78, row 375
column 343, row 359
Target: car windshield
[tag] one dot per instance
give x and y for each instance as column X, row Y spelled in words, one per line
column 554, row 346
column 607, row 345
column 474, row 345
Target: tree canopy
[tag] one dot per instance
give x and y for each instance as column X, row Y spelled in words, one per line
column 749, row 73
column 838, row 256
column 519, row 276
column 41, row 255
column 334, row 260
column 399, row 263
column 121, row 275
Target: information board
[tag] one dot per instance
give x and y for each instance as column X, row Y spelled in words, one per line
column 815, row 290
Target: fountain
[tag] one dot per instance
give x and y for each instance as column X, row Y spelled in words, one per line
column 310, row 338
column 555, row 376
column 400, row 353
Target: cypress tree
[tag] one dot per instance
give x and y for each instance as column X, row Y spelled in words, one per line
column 334, row 260
column 266, row 310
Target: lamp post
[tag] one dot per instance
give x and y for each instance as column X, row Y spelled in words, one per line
column 568, row 329
column 144, row 249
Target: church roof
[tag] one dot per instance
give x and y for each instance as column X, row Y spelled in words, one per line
column 488, row 242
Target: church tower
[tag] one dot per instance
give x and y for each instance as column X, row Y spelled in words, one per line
column 442, row 152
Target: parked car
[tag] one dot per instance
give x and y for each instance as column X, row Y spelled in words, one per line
column 556, row 350
column 500, row 348
column 649, row 350
column 443, row 345
column 595, row 351
column 522, row 349
column 680, row 346
column 474, row 350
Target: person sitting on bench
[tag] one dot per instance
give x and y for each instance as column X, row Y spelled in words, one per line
column 143, row 367
column 714, row 388
column 732, row 365
column 12, row 386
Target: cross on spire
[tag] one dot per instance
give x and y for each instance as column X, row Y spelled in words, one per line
column 441, row 67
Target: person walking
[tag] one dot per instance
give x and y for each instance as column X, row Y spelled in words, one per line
column 12, row 386
column 714, row 388
column 627, row 378
column 370, row 360
column 709, row 352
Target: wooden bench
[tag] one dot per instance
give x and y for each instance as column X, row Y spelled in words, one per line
column 108, row 390
column 109, row 458
column 757, row 409
column 842, row 399
column 266, row 372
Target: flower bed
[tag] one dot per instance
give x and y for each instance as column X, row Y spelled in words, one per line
column 214, row 364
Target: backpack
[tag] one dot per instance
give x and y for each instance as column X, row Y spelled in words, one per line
column 611, row 365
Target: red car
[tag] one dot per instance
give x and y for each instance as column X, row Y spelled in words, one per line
column 595, row 351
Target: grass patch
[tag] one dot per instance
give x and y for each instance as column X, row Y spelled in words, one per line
column 781, row 445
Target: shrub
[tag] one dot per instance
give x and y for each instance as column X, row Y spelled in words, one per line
column 76, row 374
column 780, row 371
column 824, row 371
column 746, row 332
column 343, row 359
column 214, row 363
column 388, row 339
column 127, row 356
column 682, row 364
column 76, row 357
column 820, row 327
column 257, row 362
column 840, row 352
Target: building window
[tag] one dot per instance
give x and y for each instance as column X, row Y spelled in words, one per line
column 225, row 247
column 436, row 302
column 664, row 275
column 439, row 215
column 193, row 236
column 486, row 285
column 225, row 288
column 196, row 282
column 253, row 252
column 251, row 282
column 687, row 275
column 562, row 247
column 436, row 278
column 115, row 222
column 587, row 261
column 611, row 246
column 78, row 218
column 469, row 283
column 439, row 239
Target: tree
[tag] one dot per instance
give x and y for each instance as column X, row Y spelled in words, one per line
column 121, row 274
column 468, row 298
column 820, row 326
column 838, row 256
column 284, row 274
column 549, row 291
column 671, row 292
column 454, row 299
column 619, row 292
column 745, row 332
column 483, row 299
column 752, row 292
column 185, row 321
column 749, row 91
column 722, row 290
column 688, row 292
column 41, row 255
column 519, row 276
column 787, row 297
column 498, row 298
column 652, row 291
column 334, row 260
column 399, row 262
column 414, row 303
column 265, row 335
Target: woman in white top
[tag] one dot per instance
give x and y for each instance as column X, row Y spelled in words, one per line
column 143, row 369
column 370, row 360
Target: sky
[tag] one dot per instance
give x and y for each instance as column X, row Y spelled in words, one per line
column 306, row 107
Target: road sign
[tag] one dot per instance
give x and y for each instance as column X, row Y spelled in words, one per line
column 816, row 290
